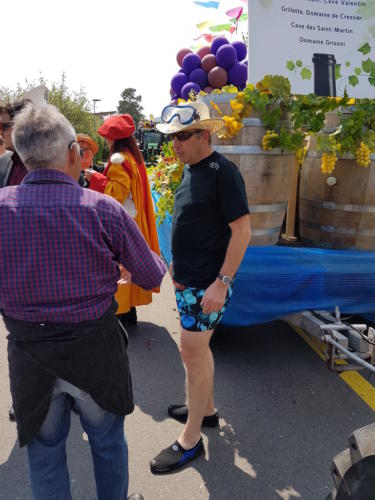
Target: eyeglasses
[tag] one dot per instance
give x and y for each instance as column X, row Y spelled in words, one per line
column 184, row 136
column 5, row 126
column 70, row 146
column 185, row 114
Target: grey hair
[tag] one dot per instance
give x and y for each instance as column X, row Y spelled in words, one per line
column 41, row 136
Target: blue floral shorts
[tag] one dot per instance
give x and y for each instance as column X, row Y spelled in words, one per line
column 191, row 315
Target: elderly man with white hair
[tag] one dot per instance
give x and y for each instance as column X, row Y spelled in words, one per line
column 62, row 247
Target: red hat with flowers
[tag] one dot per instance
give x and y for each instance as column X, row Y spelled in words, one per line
column 117, row 127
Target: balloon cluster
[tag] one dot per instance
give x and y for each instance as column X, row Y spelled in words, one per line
column 211, row 67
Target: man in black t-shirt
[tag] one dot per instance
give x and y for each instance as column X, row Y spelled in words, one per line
column 210, row 234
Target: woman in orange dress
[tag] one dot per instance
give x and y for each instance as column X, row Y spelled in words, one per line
column 125, row 179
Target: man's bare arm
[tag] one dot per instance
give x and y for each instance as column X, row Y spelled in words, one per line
column 214, row 298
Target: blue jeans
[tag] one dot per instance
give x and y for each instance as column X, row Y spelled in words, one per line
column 49, row 474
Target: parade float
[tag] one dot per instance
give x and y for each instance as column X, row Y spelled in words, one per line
column 305, row 155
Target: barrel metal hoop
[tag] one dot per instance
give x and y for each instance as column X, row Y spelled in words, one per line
column 340, row 230
column 247, row 150
column 316, row 154
column 275, row 207
column 326, row 244
column 265, row 232
column 257, row 122
column 332, row 205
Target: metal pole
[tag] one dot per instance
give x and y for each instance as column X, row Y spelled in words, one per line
column 95, row 101
column 329, row 340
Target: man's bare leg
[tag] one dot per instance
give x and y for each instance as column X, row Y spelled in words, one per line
column 199, row 365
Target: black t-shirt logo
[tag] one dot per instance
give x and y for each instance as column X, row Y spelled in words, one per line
column 214, row 165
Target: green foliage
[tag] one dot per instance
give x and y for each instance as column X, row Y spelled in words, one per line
column 165, row 177
column 306, row 74
column 353, row 80
column 131, row 104
column 365, row 49
column 277, row 85
column 74, row 105
column 300, row 69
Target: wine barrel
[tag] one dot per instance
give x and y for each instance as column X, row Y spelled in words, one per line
column 337, row 210
column 267, row 174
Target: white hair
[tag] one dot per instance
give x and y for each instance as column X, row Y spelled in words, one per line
column 41, row 136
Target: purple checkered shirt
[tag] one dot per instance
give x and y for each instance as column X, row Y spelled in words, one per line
column 60, row 246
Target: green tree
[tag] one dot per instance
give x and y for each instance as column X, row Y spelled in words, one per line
column 131, row 104
column 75, row 106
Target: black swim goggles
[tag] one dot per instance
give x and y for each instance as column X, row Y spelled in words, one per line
column 185, row 114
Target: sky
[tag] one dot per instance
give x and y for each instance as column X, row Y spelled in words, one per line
column 103, row 46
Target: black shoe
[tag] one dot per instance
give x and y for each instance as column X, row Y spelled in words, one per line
column 129, row 318
column 12, row 416
column 174, row 457
column 180, row 413
column 136, row 496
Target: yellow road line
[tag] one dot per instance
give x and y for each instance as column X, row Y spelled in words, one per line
column 352, row 378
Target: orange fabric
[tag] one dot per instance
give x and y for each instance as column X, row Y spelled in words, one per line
column 120, row 180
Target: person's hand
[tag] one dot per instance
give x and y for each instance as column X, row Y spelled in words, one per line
column 176, row 285
column 125, row 276
column 214, row 297
column 88, row 173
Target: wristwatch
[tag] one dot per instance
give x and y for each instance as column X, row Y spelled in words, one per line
column 226, row 280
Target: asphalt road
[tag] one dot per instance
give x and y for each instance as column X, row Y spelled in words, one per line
column 283, row 417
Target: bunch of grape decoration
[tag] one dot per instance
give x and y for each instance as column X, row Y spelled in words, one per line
column 211, row 67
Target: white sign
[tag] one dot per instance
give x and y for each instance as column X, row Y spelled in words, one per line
column 282, row 32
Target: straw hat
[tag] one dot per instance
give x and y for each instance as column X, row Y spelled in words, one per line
column 201, row 122
column 93, row 145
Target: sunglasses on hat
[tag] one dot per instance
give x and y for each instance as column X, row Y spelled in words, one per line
column 184, row 136
column 185, row 114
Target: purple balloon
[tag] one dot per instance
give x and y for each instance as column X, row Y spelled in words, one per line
column 241, row 49
column 178, row 81
column 190, row 62
column 238, row 74
column 187, row 88
column 181, row 71
column 199, row 76
column 217, row 42
column 226, row 56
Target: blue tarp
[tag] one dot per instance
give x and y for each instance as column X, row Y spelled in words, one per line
column 274, row 281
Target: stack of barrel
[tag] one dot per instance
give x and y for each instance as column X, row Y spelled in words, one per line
column 337, row 210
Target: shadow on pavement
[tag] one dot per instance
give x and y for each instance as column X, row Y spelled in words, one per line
column 157, row 372
column 284, row 415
